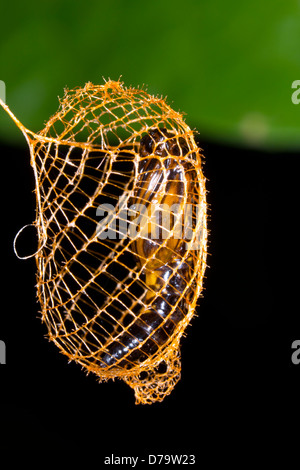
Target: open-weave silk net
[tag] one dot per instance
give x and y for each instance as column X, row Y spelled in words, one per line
column 118, row 304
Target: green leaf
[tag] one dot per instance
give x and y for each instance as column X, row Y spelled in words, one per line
column 228, row 65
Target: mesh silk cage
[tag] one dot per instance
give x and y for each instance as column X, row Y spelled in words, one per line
column 121, row 223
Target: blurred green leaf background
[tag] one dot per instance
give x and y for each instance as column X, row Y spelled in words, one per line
column 228, row 65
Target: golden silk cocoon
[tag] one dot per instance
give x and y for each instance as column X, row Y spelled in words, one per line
column 121, row 222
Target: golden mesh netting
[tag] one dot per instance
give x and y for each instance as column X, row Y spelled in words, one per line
column 121, row 222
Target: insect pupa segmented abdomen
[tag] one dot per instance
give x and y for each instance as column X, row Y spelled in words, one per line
column 165, row 182
column 117, row 292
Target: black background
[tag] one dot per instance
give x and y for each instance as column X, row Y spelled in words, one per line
column 239, row 387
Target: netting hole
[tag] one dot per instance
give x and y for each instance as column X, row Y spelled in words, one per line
column 143, row 375
column 162, row 367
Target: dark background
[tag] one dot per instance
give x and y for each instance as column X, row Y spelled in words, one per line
column 239, row 387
